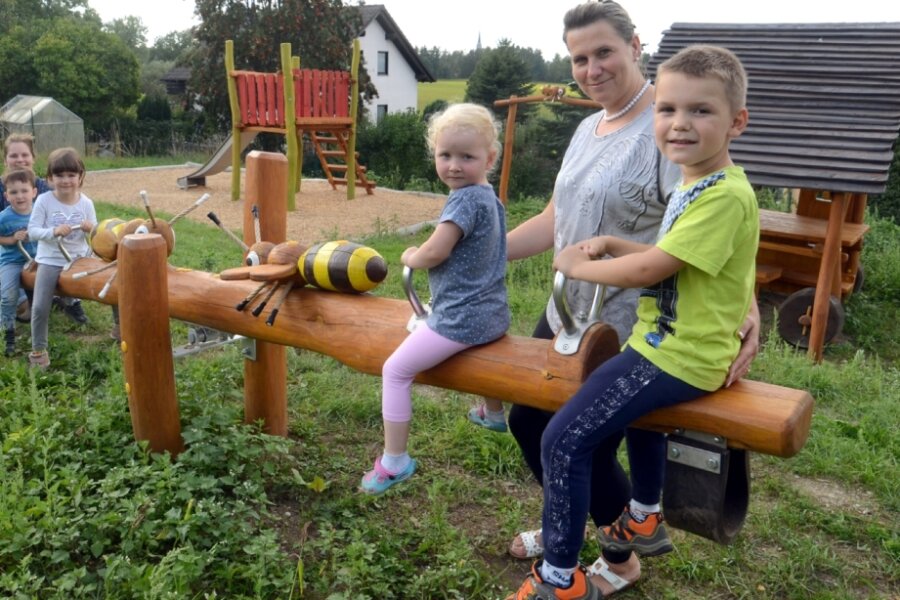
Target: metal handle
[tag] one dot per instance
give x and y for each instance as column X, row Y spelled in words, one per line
column 24, row 252
column 65, row 253
column 569, row 339
column 418, row 308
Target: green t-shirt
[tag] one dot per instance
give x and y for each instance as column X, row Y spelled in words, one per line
column 688, row 324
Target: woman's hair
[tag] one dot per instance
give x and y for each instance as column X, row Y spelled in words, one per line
column 24, row 138
column 65, row 160
column 472, row 117
column 603, row 10
column 703, row 62
column 19, row 176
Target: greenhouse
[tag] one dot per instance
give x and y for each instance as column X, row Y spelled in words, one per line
column 52, row 124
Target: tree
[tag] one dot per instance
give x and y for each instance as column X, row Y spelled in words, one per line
column 132, row 32
column 320, row 32
column 172, row 47
column 89, row 71
column 500, row 73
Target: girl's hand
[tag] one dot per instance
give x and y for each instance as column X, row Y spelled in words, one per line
column 62, row 230
column 404, row 258
column 86, row 226
column 568, row 258
column 20, row 235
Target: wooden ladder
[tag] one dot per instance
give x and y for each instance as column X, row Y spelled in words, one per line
column 331, row 148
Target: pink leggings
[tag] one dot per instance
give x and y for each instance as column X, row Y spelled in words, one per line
column 421, row 350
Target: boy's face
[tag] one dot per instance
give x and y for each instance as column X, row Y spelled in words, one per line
column 20, row 195
column 694, row 123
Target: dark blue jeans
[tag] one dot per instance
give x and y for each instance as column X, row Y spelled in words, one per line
column 619, row 391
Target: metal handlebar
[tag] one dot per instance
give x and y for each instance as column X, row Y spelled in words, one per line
column 418, row 308
column 573, row 328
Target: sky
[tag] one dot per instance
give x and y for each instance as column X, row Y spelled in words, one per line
column 457, row 24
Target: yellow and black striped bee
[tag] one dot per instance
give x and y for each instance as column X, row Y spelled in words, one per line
column 342, row 266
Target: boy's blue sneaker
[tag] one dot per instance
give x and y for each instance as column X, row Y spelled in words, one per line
column 378, row 480
column 478, row 416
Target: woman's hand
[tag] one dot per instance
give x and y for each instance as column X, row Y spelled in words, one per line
column 749, row 333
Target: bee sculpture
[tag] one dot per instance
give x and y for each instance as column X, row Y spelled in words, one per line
column 339, row 266
column 106, row 236
column 342, row 266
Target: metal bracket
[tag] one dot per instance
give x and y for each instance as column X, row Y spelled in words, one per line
column 248, row 348
column 203, row 338
column 707, row 486
column 568, row 340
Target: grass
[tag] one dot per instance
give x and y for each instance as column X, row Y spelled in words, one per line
column 87, row 513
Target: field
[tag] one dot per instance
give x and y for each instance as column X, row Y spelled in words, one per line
column 87, row 513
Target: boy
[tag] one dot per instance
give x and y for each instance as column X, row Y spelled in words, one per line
column 20, row 193
column 698, row 287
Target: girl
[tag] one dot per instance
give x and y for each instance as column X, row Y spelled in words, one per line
column 466, row 262
column 68, row 214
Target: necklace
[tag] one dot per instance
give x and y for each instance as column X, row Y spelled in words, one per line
column 629, row 106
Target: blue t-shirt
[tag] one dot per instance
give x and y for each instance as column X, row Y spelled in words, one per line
column 39, row 183
column 11, row 222
column 468, row 290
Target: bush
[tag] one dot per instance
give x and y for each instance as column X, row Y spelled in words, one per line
column 887, row 204
column 394, row 150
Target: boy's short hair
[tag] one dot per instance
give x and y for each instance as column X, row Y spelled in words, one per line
column 65, row 160
column 19, row 176
column 711, row 61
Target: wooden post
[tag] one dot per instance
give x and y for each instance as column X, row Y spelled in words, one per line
column 508, row 139
column 146, row 344
column 830, row 257
column 290, row 124
column 265, row 379
column 354, row 114
column 295, row 66
column 235, row 121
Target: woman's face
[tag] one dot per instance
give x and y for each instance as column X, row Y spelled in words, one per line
column 605, row 67
column 19, row 156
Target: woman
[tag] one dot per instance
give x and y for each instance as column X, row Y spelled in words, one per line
column 613, row 181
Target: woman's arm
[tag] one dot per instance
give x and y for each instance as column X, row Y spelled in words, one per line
column 533, row 236
column 436, row 248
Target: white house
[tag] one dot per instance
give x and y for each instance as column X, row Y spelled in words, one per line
column 392, row 63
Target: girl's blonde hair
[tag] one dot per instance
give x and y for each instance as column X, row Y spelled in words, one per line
column 24, row 138
column 65, row 160
column 472, row 117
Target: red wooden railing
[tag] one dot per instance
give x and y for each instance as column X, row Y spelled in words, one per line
column 318, row 94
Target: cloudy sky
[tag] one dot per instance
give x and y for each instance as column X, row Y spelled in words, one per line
column 456, row 25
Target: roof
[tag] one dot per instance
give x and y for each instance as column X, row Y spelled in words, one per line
column 377, row 12
column 177, row 74
column 824, row 100
column 23, row 109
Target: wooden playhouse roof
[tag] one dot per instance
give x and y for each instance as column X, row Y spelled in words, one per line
column 824, row 100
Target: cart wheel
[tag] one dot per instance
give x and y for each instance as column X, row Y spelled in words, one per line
column 860, row 279
column 795, row 318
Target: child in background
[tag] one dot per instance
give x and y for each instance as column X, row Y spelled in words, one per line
column 466, row 262
column 20, row 190
column 698, row 281
column 63, row 213
column 18, row 153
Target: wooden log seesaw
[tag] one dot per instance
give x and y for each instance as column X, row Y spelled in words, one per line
column 707, row 488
